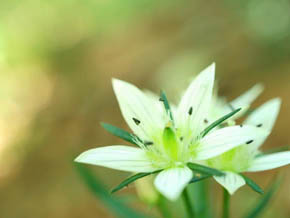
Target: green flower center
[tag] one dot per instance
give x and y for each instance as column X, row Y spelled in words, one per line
column 235, row 160
column 170, row 143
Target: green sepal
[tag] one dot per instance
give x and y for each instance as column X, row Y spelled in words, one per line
column 218, row 122
column 166, row 104
column 196, row 178
column 204, row 169
column 129, row 137
column 252, row 184
column 131, row 179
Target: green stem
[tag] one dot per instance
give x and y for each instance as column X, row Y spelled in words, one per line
column 187, row 204
column 226, row 206
column 201, row 199
column 163, row 208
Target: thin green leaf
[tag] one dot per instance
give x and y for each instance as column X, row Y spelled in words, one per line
column 196, row 178
column 252, row 184
column 204, row 170
column 131, row 179
column 120, row 133
column 218, row 122
column 165, row 101
column 97, row 188
column 263, row 202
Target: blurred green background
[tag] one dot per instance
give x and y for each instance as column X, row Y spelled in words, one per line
column 57, row 59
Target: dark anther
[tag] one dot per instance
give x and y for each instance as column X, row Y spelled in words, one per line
column 148, row 143
column 205, row 121
column 260, row 125
column 181, row 138
column 190, row 111
column 137, row 122
column 241, row 125
column 161, row 99
column 249, row 142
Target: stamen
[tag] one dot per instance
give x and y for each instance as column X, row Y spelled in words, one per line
column 161, row 99
column 137, row 122
column 241, row 125
column 249, row 142
column 205, row 121
column 181, row 138
column 260, row 125
column 190, row 111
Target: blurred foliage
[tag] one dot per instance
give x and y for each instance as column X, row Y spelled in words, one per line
column 264, row 201
column 101, row 192
column 57, row 59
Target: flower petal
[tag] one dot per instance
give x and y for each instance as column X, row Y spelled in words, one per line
column 195, row 103
column 137, row 109
column 118, row 157
column 246, row 99
column 225, row 139
column 270, row 161
column 155, row 100
column 264, row 117
column 230, row 181
column 171, row 182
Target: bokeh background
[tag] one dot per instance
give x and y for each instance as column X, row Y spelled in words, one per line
column 57, row 59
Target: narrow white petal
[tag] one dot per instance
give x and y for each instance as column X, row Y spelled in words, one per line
column 230, row 181
column 270, row 161
column 265, row 114
column 197, row 100
column 117, row 157
column 171, row 182
column 246, row 99
column 135, row 105
column 225, row 139
column 265, row 117
column 244, row 102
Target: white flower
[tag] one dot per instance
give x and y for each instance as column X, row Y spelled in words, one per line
column 247, row 157
column 167, row 144
column 220, row 106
